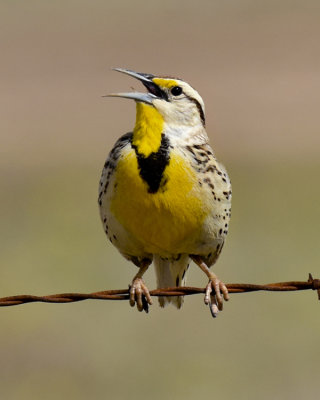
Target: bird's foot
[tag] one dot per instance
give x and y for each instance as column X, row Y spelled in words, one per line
column 216, row 291
column 139, row 294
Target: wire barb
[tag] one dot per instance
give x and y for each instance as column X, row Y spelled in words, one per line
column 315, row 284
column 123, row 294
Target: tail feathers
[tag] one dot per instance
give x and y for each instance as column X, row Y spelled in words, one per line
column 171, row 274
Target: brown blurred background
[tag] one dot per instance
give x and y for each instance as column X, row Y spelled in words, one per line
column 256, row 65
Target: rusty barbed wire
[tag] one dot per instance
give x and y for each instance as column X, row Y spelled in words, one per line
column 123, row 294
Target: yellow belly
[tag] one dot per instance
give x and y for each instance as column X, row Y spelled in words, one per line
column 166, row 221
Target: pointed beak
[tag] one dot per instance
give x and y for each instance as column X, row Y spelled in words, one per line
column 154, row 91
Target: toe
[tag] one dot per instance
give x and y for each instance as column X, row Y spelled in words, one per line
column 213, row 307
column 224, row 291
column 145, row 304
column 208, row 293
column 146, row 293
column 216, row 286
column 139, row 298
column 132, row 296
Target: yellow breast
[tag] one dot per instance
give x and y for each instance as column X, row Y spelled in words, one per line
column 165, row 221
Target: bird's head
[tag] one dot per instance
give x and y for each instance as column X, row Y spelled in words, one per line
column 175, row 100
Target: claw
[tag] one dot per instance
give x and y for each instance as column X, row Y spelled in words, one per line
column 139, row 294
column 213, row 306
column 216, row 291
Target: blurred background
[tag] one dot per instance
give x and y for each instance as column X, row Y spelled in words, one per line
column 256, row 65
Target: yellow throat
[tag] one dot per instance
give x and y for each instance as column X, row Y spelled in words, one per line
column 148, row 129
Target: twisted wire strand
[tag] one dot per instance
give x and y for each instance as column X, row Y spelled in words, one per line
column 123, row 294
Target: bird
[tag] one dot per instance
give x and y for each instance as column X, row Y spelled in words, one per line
column 164, row 199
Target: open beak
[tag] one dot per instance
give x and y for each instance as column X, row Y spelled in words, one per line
column 154, row 91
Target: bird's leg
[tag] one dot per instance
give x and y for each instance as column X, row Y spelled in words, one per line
column 139, row 292
column 216, row 290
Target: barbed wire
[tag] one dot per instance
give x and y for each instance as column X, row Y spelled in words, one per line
column 123, row 294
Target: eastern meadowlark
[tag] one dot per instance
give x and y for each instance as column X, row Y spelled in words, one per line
column 163, row 196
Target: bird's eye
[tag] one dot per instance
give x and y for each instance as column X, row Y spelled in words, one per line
column 176, row 90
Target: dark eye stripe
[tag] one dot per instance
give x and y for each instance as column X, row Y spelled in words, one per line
column 201, row 113
column 203, row 119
